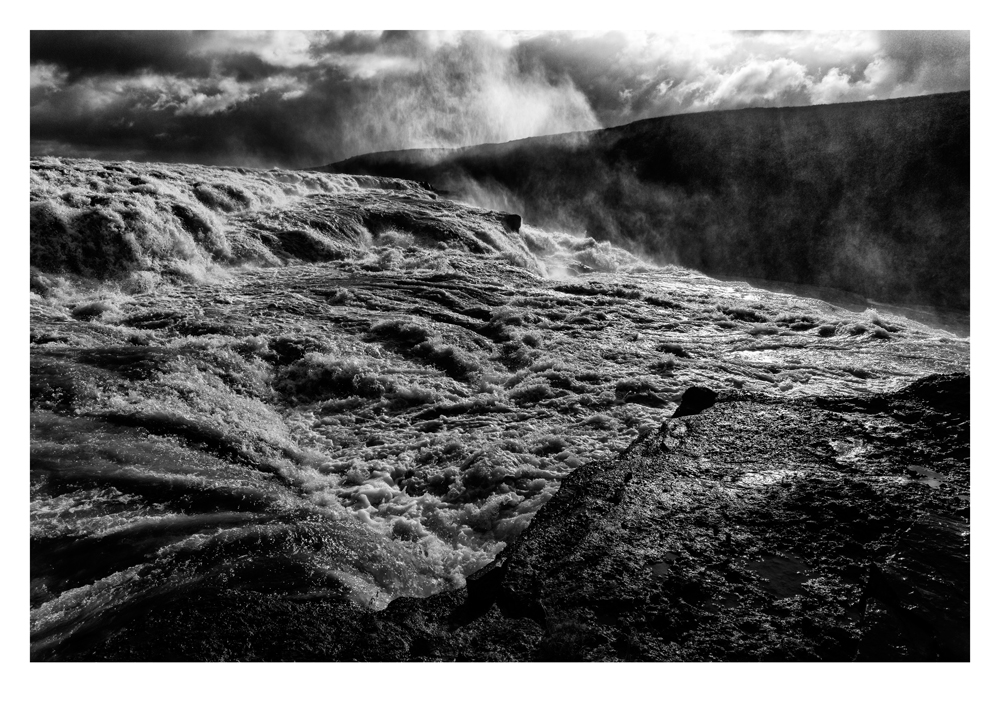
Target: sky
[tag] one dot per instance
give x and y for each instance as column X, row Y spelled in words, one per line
column 299, row 99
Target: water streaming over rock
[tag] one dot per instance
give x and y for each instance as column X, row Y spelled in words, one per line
column 313, row 384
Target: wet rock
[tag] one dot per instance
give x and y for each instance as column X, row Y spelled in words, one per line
column 511, row 221
column 738, row 542
column 752, row 556
column 917, row 602
column 696, row 400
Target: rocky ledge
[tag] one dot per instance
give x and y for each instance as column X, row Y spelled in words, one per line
column 751, row 530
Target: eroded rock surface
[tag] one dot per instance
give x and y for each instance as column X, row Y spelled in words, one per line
column 755, row 531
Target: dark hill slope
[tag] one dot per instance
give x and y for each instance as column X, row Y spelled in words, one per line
column 871, row 198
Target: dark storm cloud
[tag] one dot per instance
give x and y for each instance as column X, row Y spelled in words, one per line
column 292, row 98
column 91, row 53
column 305, row 98
column 349, row 43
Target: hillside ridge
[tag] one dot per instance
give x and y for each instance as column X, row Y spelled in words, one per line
column 870, row 198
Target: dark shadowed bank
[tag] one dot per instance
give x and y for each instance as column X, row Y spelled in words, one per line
column 870, row 198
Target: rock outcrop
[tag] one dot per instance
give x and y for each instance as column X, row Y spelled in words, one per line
column 756, row 530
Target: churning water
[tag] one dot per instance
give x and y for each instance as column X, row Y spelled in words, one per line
column 321, row 384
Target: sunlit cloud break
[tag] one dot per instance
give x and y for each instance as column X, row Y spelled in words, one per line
column 305, row 98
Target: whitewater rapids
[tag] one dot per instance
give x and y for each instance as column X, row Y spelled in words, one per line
column 322, row 384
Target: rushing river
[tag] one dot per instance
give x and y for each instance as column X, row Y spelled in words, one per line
column 315, row 384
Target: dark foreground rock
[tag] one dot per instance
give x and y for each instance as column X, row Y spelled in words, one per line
column 757, row 530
